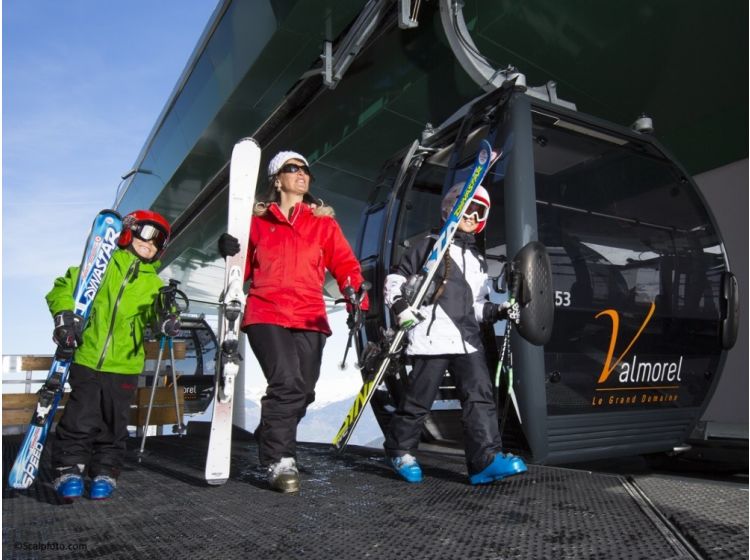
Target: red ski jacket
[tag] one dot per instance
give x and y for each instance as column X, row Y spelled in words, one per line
column 286, row 266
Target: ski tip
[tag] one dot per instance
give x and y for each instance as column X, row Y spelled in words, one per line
column 110, row 211
column 249, row 139
column 485, row 152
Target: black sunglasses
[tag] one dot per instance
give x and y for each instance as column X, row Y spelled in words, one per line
column 294, row 168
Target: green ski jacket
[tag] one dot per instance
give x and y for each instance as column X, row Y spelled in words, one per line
column 122, row 309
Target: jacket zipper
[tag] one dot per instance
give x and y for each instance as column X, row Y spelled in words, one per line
column 114, row 311
column 463, row 259
column 436, row 295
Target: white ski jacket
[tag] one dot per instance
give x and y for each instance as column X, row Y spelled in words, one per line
column 454, row 306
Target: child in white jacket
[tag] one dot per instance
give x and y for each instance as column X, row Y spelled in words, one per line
column 445, row 335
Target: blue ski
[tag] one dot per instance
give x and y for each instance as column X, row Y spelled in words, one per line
column 481, row 166
column 102, row 242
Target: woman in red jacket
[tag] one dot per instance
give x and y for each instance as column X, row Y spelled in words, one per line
column 294, row 239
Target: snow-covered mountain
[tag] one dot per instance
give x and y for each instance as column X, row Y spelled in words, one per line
column 322, row 422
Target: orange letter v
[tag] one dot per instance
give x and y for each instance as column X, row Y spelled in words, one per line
column 607, row 370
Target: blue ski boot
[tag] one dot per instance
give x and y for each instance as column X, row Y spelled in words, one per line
column 102, row 487
column 69, row 485
column 502, row 466
column 69, row 482
column 406, row 467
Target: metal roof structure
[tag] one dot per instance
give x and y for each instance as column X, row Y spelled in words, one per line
column 341, row 82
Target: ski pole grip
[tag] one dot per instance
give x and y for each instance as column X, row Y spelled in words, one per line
column 349, row 294
column 363, row 287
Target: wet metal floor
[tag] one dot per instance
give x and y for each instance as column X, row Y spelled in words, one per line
column 354, row 507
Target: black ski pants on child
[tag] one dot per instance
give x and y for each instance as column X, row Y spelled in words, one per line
column 290, row 359
column 479, row 416
column 94, row 427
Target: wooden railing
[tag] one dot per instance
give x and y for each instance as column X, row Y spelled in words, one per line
column 18, row 407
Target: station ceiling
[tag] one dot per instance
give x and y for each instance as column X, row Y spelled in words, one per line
column 683, row 62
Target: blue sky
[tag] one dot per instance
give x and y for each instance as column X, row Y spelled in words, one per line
column 83, row 84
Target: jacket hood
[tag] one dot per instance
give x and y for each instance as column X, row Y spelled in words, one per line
column 321, row 208
column 465, row 240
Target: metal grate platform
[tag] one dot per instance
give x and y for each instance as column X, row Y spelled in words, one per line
column 354, row 507
column 712, row 516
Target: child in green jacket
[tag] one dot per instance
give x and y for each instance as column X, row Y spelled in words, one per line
column 109, row 356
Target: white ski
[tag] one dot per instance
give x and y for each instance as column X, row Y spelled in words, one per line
column 243, row 175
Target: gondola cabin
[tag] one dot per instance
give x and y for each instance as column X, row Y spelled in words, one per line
column 645, row 305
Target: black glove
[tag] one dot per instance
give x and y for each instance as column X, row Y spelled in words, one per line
column 68, row 330
column 228, row 245
column 170, row 325
column 407, row 316
column 493, row 312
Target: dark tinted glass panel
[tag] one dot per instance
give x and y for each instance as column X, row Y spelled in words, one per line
column 370, row 244
column 495, row 245
column 636, row 267
column 420, row 209
column 198, row 101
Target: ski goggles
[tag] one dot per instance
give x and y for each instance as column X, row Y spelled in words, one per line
column 148, row 232
column 294, row 168
column 477, row 210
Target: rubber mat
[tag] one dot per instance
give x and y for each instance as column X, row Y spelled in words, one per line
column 350, row 506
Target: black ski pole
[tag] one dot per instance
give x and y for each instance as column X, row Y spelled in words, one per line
column 513, row 312
column 354, row 321
column 167, row 308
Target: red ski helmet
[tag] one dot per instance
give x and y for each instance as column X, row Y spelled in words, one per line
column 145, row 225
column 479, row 205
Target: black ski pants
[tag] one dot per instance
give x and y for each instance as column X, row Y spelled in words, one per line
column 479, row 416
column 94, row 427
column 290, row 359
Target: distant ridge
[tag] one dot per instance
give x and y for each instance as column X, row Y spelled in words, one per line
column 320, row 424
